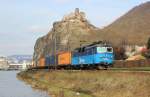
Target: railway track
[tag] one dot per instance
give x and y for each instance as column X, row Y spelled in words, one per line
column 133, row 69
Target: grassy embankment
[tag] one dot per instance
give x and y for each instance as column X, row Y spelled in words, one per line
column 90, row 83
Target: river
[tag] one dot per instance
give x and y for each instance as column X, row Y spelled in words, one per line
column 10, row 86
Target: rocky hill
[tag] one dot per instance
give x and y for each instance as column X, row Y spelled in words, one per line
column 132, row 28
column 66, row 34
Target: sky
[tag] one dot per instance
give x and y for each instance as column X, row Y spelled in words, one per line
column 23, row 21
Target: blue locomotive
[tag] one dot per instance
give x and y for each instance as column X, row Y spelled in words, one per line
column 95, row 55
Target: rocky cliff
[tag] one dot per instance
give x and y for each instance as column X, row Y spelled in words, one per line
column 71, row 32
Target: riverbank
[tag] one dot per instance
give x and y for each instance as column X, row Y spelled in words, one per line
column 89, row 83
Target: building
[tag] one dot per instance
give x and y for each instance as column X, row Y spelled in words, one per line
column 20, row 66
column 4, row 63
column 19, row 62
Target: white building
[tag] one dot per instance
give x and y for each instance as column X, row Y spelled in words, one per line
column 3, row 63
column 26, row 65
column 134, row 50
column 20, row 66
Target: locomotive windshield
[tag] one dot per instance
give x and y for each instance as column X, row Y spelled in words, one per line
column 104, row 49
column 109, row 49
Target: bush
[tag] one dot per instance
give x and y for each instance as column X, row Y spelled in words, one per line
column 119, row 53
column 148, row 44
column 146, row 53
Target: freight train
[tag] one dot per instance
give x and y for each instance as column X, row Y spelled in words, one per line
column 96, row 55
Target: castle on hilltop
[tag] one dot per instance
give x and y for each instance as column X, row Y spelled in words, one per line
column 76, row 15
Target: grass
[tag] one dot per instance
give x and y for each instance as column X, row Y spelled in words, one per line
column 90, row 83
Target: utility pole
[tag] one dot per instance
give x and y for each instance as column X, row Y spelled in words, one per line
column 68, row 42
column 69, row 33
column 55, row 64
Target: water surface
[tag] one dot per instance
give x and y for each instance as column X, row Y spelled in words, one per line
column 10, row 86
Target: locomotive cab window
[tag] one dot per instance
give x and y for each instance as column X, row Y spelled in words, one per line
column 104, row 49
column 101, row 49
column 109, row 49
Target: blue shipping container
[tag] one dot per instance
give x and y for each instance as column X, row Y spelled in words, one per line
column 50, row 60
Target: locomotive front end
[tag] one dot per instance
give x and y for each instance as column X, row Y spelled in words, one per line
column 105, row 56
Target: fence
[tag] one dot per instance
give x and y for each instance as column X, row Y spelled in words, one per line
column 130, row 64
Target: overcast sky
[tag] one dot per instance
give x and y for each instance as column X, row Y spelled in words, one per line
column 23, row 21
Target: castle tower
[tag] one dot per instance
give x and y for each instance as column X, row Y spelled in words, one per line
column 77, row 11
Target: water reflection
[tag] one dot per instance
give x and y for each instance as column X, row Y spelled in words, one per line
column 10, row 86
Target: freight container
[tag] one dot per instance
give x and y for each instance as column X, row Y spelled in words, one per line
column 47, row 60
column 50, row 60
column 42, row 62
column 64, row 58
